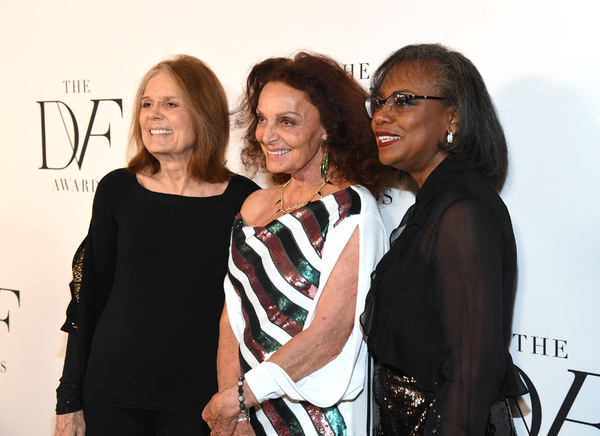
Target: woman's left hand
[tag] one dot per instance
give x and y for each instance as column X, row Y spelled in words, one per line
column 222, row 412
column 244, row 429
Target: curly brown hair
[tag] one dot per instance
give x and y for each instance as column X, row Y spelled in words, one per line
column 340, row 101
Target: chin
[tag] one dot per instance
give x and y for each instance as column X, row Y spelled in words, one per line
column 389, row 162
column 275, row 169
column 391, row 159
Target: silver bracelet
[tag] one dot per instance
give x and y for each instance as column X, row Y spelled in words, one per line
column 244, row 412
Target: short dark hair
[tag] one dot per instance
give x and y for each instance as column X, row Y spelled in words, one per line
column 340, row 101
column 205, row 98
column 479, row 140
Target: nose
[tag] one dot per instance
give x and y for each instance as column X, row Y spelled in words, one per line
column 382, row 116
column 155, row 112
column 266, row 133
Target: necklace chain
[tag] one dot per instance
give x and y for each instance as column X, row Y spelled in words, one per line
column 284, row 210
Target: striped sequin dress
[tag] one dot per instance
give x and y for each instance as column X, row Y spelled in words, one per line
column 276, row 276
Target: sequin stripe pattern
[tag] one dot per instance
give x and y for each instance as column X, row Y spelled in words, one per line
column 349, row 203
column 278, row 265
column 275, row 270
column 327, row 421
column 285, row 417
column 256, row 341
column 270, row 311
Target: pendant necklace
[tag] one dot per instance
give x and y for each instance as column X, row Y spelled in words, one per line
column 282, row 209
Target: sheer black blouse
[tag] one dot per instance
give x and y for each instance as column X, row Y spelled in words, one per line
column 440, row 304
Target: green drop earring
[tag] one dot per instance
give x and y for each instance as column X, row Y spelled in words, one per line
column 324, row 163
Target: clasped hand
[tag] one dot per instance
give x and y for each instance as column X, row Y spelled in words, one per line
column 222, row 414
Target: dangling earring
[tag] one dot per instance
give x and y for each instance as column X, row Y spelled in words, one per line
column 325, row 163
column 450, row 138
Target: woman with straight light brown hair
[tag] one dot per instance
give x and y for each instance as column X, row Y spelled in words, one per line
column 143, row 326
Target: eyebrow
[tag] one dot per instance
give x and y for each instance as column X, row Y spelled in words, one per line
column 166, row 97
column 404, row 91
column 281, row 114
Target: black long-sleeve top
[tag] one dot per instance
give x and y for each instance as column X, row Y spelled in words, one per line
column 151, row 297
column 440, row 305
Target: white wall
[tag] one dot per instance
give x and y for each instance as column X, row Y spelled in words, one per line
column 540, row 61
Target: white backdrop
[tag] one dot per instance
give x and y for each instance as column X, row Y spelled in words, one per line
column 539, row 59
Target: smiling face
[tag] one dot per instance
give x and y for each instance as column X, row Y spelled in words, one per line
column 411, row 140
column 166, row 123
column 289, row 131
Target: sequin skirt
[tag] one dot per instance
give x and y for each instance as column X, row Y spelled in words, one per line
column 401, row 407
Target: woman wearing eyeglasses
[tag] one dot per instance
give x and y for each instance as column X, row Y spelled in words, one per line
column 438, row 314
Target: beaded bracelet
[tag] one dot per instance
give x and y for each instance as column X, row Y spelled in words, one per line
column 245, row 413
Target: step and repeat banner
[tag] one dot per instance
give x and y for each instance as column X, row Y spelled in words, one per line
column 68, row 73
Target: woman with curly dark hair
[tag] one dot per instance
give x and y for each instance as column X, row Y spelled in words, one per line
column 349, row 144
column 291, row 351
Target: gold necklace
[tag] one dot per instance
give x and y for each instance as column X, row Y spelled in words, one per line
column 284, row 210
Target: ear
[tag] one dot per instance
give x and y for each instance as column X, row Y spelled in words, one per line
column 453, row 120
column 324, row 136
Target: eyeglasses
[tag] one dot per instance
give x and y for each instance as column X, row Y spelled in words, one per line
column 395, row 103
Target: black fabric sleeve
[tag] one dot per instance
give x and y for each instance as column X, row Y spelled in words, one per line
column 468, row 260
column 68, row 393
column 89, row 279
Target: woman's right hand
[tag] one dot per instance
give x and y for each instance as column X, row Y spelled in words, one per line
column 70, row 424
